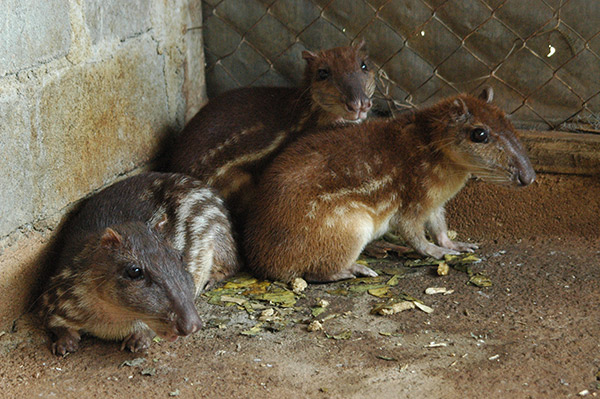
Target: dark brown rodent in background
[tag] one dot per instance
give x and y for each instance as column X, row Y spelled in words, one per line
column 233, row 138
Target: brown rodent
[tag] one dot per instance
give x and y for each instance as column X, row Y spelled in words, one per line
column 329, row 194
column 135, row 256
column 229, row 142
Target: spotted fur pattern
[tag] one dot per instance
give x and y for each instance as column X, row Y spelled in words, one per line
column 173, row 227
column 325, row 197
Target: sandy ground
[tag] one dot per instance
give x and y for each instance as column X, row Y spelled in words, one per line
column 535, row 333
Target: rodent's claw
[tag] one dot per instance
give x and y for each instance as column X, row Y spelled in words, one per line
column 64, row 345
column 136, row 342
column 438, row 252
column 463, row 246
column 360, row 270
column 210, row 284
column 353, row 271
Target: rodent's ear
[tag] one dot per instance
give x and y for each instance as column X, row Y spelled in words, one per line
column 309, row 55
column 460, row 103
column 461, row 113
column 360, row 46
column 110, row 238
column 161, row 224
column 487, row 94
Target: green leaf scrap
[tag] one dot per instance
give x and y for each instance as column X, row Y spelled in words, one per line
column 461, row 259
column 317, row 310
column 253, row 331
column 480, row 280
column 361, row 288
column 423, row 262
column 339, row 291
column 241, row 281
column 394, row 280
column 380, row 292
column 283, row 298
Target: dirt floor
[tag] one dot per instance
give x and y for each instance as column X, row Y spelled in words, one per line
column 535, row 333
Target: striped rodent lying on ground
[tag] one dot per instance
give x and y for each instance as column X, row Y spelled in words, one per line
column 135, row 256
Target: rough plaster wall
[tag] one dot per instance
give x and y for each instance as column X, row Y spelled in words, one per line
column 88, row 91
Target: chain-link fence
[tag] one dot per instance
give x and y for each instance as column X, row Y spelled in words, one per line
column 542, row 57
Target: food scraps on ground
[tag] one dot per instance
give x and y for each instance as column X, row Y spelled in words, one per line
column 438, row 290
column 322, row 303
column 390, row 308
column 299, row 285
column 443, row 269
column 314, row 326
column 436, row 345
column 423, row 307
column 150, row 371
column 138, row 361
column 267, row 314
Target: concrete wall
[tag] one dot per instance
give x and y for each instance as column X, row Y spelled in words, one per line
column 89, row 89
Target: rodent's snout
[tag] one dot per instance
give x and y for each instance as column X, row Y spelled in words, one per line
column 188, row 324
column 525, row 175
column 359, row 107
column 525, row 178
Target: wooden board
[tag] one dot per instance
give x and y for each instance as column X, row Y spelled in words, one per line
column 562, row 152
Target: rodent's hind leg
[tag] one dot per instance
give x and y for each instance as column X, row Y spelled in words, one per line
column 137, row 341
column 67, row 340
column 353, row 271
column 438, row 229
column 380, row 248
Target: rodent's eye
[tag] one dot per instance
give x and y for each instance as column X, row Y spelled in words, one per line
column 479, row 135
column 364, row 66
column 134, row 272
column 322, row 74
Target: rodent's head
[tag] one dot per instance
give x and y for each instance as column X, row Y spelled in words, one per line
column 483, row 141
column 138, row 275
column 341, row 81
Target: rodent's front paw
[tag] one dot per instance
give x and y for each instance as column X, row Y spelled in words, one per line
column 462, row 246
column 65, row 344
column 136, row 342
column 438, row 252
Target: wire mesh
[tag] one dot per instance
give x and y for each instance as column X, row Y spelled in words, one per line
column 542, row 57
